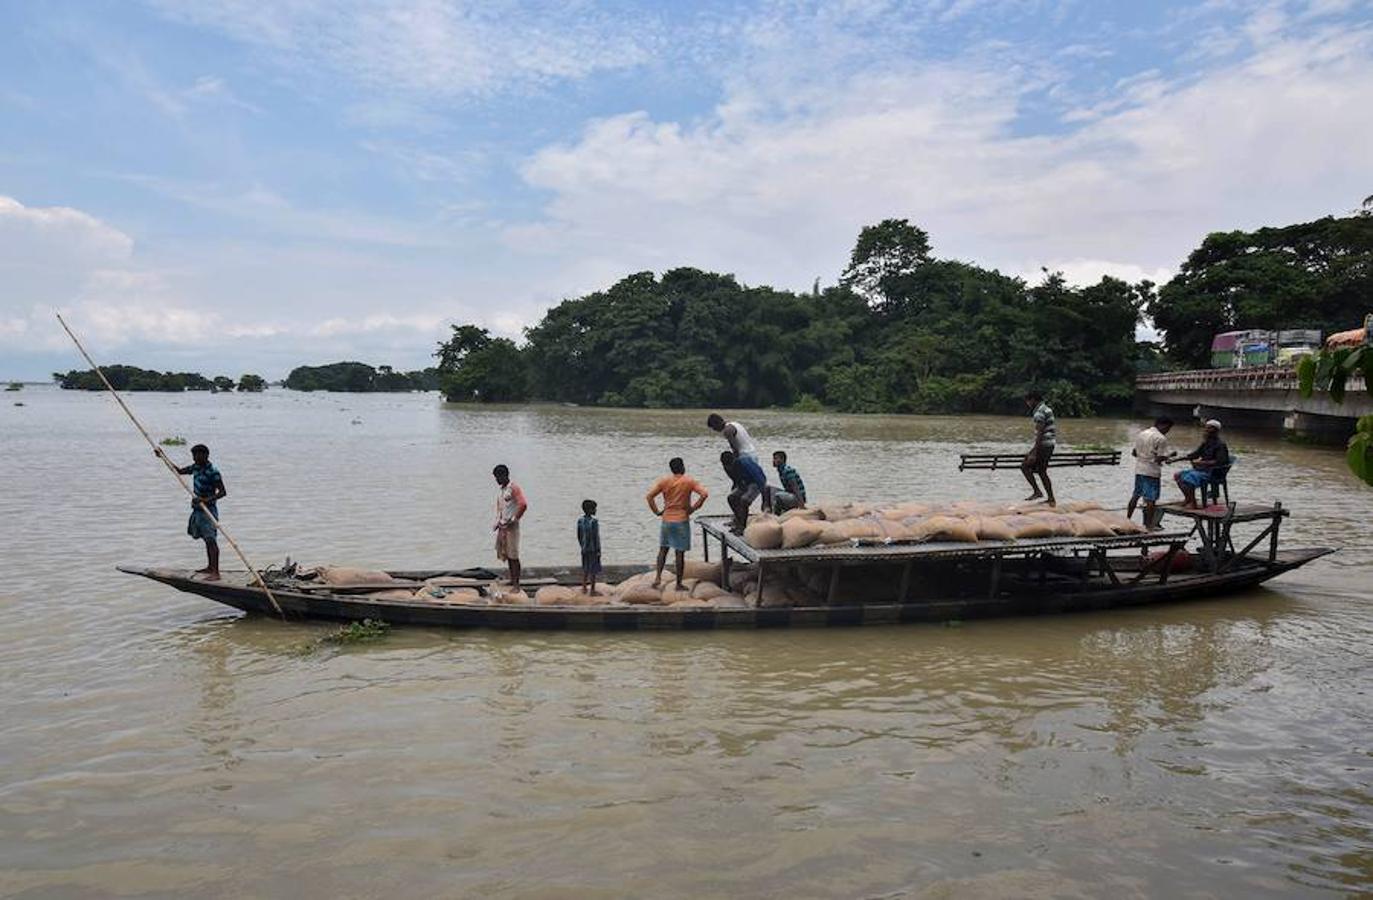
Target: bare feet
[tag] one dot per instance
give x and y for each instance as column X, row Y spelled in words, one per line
column 203, row 571
column 210, row 576
column 1051, row 503
column 657, row 584
column 1035, row 496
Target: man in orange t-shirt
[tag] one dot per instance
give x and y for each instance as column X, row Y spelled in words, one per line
column 675, row 530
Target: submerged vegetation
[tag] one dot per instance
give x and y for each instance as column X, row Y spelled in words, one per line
column 363, row 632
column 177, row 441
column 132, row 378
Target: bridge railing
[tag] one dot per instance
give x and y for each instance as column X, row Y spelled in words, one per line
column 1249, row 378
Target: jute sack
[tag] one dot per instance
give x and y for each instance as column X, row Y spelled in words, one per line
column 729, row 601
column 691, row 603
column 393, row 594
column 765, row 534
column 555, row 595
column 345, row 576
column 809, row 512
column 1116, row 522
column 671, row 595
column 707, row 590
column 1028, row 527
column 459, row 596
column 832, row 534
column 990, row 528
column 949, row 528
column 1078, row 506
column 798, row 533
column 640, row 594
column 1085, row 525
column 861, row 529
column 507, row 597
column 704, row 571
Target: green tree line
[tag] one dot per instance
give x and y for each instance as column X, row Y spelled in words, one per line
column 1310, row 275
column 132, row 378
column 903, row 331
column 356, row 377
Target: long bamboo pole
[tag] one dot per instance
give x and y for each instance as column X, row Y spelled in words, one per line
column 171, row 467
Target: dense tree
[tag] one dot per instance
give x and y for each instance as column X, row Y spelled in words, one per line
column 223, row 383
column 132, row 378
column 475, row 367
column 356, row 377
column 1311, row 275
column 252, row 384
column 903, row 332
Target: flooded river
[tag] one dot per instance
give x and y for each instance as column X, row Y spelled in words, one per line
column 156, row 744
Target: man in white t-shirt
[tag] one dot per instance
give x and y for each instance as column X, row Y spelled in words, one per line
column 1151, row 452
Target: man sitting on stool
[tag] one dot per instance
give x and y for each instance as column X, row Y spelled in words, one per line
column 1206, row 459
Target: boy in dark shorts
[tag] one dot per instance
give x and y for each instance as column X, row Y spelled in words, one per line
column 589, row 539
column 208, row 487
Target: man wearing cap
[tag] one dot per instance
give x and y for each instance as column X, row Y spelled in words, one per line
column 1211, row 455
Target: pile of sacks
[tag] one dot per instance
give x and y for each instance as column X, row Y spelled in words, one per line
column 701, row 589
column 914, row 523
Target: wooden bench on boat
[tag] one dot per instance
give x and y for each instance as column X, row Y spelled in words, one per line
column 1073, row 458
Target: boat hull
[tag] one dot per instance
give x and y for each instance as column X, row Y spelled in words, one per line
column 1247, row 573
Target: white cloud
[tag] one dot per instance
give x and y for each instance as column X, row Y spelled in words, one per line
column 446, row 48
column 776, row 193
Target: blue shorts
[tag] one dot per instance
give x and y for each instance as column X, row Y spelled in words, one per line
column 1147, row 486
column 1196, row 478
column 202, row 527
column 675, row 535
column 752, row 472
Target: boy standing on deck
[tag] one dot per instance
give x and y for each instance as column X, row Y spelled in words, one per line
column 589, row 539
column 675, row 531
column 208, row 487
column 510, row 508
column 1151, row 452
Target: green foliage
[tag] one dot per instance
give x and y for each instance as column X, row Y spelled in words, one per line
column 132, row 378
column 1312, row 275
column 252, row 384
column 904, row 333
column 15, row 386
column 1330, row 371
column 366, row 631
column 222, row 383
column 177, row 441
column 356, row 377
column 475, row 367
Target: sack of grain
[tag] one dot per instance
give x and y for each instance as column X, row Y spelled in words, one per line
column 1085, row 525
column 690, row 603
column 798, row 533
column 810, row 512
column 775, row 596
column 729, row 601
column 764, row 534
column 707, row 590
column 1117, row 523
column 948, row 528
column 393, row 594
column 701, row 570
column 1078, row 506
column 832, row 534
column 1028, row 527
column 640, row 594
column 507, row 597
column 991, row 528
column 347, row 576
column 555, row 595
column 864, row 529
column 1059, row 525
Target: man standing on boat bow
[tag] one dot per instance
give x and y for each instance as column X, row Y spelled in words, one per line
column 207, row 488
column 510, row 508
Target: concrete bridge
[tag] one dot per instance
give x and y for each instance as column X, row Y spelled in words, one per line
column 1265, row 397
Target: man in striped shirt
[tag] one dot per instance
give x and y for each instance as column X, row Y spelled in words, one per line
column 793, row 492
column 1037, row 460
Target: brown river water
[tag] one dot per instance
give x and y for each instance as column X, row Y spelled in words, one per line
column 156, row 744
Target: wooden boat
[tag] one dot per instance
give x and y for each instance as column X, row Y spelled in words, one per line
column 899, row 583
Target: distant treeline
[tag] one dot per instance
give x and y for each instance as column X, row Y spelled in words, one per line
column 901, row 332
column 359, row 377
column 132, row 378
column 904, row 331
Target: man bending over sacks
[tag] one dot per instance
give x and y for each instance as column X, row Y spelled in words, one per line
column 747, row 483
column 675, row 531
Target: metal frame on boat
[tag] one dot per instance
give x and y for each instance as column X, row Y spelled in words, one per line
column 900, row 582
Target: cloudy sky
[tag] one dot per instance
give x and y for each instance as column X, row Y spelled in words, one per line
column 245, row 186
